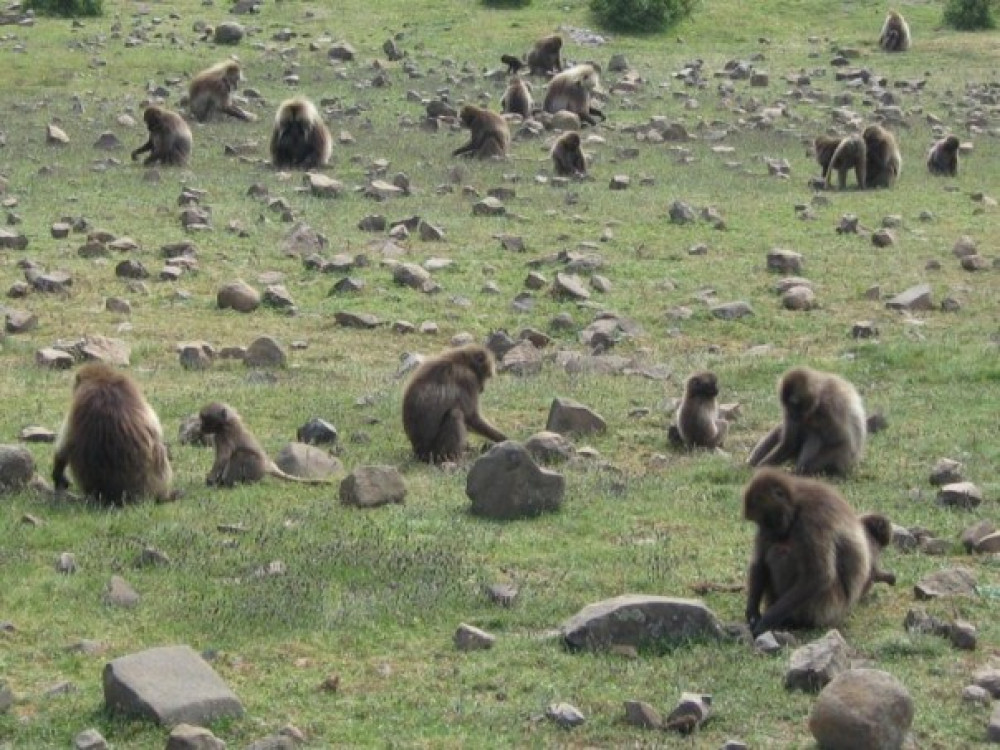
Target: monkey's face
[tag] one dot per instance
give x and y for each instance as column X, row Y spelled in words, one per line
column 572, row 142
column 703, row 385
column 233, row 76
column 767, row 503
column 214, row 418
column 481, row 362
column 469, row 115
column 951, row 143
column 795, row 394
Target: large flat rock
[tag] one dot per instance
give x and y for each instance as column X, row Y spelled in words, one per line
column 170, row 685
column 639, row 620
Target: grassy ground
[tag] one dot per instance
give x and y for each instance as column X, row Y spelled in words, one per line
column 375, row 597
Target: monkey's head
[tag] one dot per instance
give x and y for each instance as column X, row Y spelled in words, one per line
column 469, row 114
column 589, row 78
column 768, row 501
column 477, row 358
column 232, row 74
column 553, row 43
column 702, row 385
column 153, row 117
column 571, row 141
column 951, row 143
column 96, row 372
column 216, row 418
column 879, row 528
column 298, row 110
column 796, row 391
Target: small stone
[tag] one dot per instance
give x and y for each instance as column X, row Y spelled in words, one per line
column 188, row 737
column 915, row 298
column 373, row 486
column 957, row 581
column 976, row 695
column 504, row 594
column 489, row 207
column 317, row 432
column 946, row 471
column 883, row 238
column 549, row 447
column 120, row 594
column 17, row 467
column 89, row 739
column 964, row 495
column 691, row 712
column 973, row 535
column 356, row 320
column 620, row 182
column 962, row 635
column 989, row 544
column 862, row 708
column 228, row 32
column 988, row 678
column 732, row 310
column 469, row 638
column 565, row 715
column 813, row 666
column 37, row 434
column 307, row 461
column 571, row 417
column 640, row 620
column 799, row 298
column 265, row 352
column 66, row 563
column 239, row 296
column 642, row 715
column 322, row 186
column 784, row 261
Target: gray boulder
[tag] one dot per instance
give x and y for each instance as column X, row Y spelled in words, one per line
column 301, row 460
column 814, row 665
column 862, row 708
column 17, row 467
column 506, row 483
column 571, row 417
column 372, row 486
column 639, row 620
column 188, row 737
column 170, row 685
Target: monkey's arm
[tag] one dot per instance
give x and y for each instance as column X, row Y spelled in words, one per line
column 147, row 146
column 765, row 446
column 223, row 453
column 477, row 424
column 233, row 111
column 474, row 144
column 812, row 582
column 756, row 582
column 59, row 480
column 816, row 457
column 789, row 444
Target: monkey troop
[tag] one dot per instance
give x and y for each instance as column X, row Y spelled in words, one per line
column 300, row 139
column 111, row 440
column 169, row 140
column 812, row 557
column 441, row 403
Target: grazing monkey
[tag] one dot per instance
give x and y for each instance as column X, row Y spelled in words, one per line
column 545, row 57
column 490, row 134
column 823, row 430
column 517, row 98
column 514, row 64
column 811, row 560
column 878, row 531
column 441, row 402
column 239, row 458
column 895, row 36
column 851, row 153
column 825, row 146
column 567, row 156
column 300, row 139
column 111, row 440
column 571, row 90
column 169, row 140
column 698, row 422
column 884, row 160
column 212, row 89
column 943, row 157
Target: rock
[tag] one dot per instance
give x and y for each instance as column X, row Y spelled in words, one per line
column 946, row 471
column 915, row 298
column 503, row 594
column 862, row 708
column 195, row 357
column 565, row 715
column 691, row 712
column 6, row 697
column 682, row 213
column 356, row 320
column 642, row 715
column 322, row 186
column 813, row 666
column 107, row 141
column 277, row 296
column 784, row 261
column 341, row 51
column 883, row 238
column 963, row 635
column 620, row 182
column 469, row 638
column 989, row 544
column 66, row 563
column 265, row 352
column 102, row 349
column 90, row 739
column 489, row 206
column 549, row 447
column 505, row 484
column 964, row 495
column 239, row 296
column 618, row 63
column 988, row 678
column 301, row 460
column 799, row 298
column 55, row 136
column 864, row 329
column 119, row 593
column 54, row 359
column 317, row 432
column 414, row 277
column 170, row 685
column 12, row 240
column 188, row 737
column 571, row 417
column 228, row 32
column 372, row 486
column 973, row 535
column 957, row 581
column 522, row 359
column 639, row 621
column 976, row 695
column 565, row 120
column 20, row 321
column 37, row 434
column 731, row 310
column 17, row 467
column 993, row 728
column 569, row 285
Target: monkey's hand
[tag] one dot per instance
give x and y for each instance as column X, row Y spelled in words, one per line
column 753, row 619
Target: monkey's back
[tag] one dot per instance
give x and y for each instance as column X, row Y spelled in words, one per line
column 116, row 453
